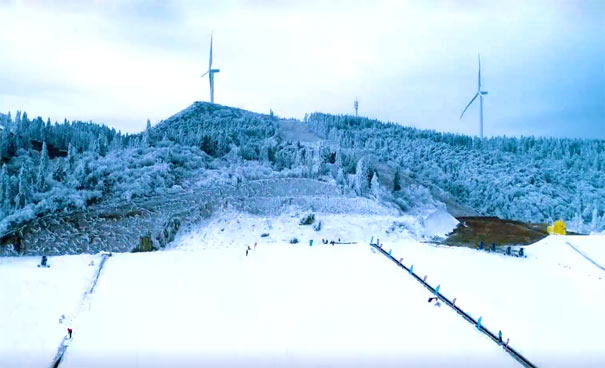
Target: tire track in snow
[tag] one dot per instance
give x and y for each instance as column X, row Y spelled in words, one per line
column 585, row 256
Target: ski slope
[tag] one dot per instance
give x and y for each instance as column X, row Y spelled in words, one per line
column 203, row 302
column 549, row 304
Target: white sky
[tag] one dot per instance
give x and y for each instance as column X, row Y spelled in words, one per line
column 122, row 62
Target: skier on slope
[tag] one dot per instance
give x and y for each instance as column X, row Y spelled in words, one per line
column 69, row 331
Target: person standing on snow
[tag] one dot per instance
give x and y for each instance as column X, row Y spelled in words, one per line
column 500, row 336
column 69, row 331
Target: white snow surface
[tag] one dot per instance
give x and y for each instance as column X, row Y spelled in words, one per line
column 203, row 302
column 32, row 301
column 439, row 223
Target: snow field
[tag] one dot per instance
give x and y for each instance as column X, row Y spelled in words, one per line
column 284, row 305
column 32, row 301
column 203, row 302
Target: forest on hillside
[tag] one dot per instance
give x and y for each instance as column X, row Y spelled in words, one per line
column 530, row 179
column 60, row 167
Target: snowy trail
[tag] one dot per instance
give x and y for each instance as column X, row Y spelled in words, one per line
column 509, row 349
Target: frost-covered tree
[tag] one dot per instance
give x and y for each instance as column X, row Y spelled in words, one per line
column 397, row 181
column 43, row 169
column 377, row 190
column 4, row 190
column 71, row 157
column 24, row 194
column 362, row 176
column 340, row 177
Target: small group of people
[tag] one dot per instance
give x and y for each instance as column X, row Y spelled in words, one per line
column 482, row 246
column 509, row 250
column 331, row 242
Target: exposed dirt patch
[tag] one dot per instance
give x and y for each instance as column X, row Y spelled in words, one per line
column 488, row 230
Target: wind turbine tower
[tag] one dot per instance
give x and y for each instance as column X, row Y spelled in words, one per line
column 210, row 73
column 479, row 93
column 356, row 104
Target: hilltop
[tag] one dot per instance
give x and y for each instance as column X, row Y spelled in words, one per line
column 210, row 156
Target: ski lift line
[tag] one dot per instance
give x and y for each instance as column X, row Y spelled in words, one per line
column 98, row 273
column 511, row 351
column 63, row 346
column 59, row 356
column 585, row 256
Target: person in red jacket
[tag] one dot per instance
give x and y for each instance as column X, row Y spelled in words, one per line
column 69, row 331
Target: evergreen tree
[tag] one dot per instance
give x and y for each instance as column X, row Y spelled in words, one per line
column 340, row 177
column 4, row 190
column 396, row 181
column 71, row 157
column 24, row 194
column 375, row 186
column 42, row 169
column 362, row 176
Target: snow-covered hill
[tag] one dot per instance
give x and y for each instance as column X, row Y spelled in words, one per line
column 74, row 168
column 202, row 301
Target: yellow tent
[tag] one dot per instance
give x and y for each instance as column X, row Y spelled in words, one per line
column 557, row 228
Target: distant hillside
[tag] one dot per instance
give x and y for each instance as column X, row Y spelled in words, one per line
column 528, row 179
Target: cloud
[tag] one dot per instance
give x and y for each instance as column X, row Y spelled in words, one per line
column 407, row 62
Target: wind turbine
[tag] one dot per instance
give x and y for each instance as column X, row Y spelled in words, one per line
column 479, row 93
column 210, row 73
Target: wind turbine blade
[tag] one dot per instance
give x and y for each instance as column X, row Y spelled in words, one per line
column 203, row 75
column 210, row 64
column 479, row 77
column 477, row 94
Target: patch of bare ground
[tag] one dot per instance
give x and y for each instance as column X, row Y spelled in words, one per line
column 493, row 230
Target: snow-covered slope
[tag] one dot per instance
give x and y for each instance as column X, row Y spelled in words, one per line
column 204, row 302
column 549, row 304
column 32, row 301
